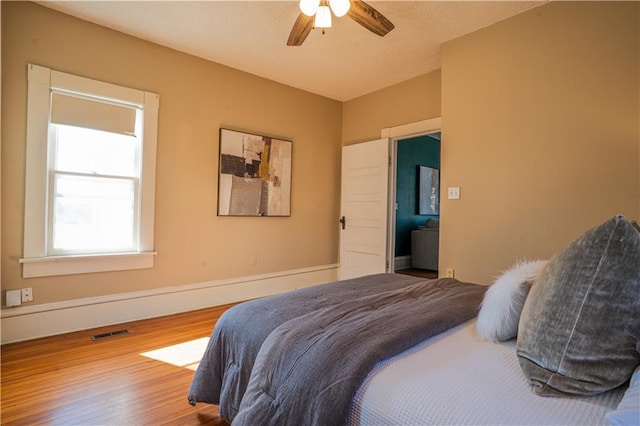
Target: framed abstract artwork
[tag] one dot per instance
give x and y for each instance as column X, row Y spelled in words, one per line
column 255, row 175
column 428, row 191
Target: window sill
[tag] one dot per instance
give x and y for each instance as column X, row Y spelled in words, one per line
column 85, row 264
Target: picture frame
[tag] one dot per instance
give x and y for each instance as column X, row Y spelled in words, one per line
column 428, row 191
column 254, row 177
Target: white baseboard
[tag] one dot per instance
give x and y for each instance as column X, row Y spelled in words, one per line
column 402, row 262
column 48, row 319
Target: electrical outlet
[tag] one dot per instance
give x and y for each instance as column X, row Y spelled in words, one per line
column 27, row 294
column 254, row 260
column 450, row 273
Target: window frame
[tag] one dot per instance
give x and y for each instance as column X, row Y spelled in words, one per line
column 37, row 261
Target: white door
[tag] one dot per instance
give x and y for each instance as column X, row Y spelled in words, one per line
column 365, row 189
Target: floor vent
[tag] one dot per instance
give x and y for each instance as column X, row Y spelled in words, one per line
column 109, row 334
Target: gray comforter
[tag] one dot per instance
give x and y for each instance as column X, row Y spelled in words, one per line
column 298, row 358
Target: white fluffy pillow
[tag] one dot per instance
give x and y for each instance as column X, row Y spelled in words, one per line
column 500, row 312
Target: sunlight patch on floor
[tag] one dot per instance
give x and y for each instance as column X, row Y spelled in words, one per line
column 187, row 354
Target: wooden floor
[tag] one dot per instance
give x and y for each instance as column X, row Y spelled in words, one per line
column 425, row 273
column 141, row 378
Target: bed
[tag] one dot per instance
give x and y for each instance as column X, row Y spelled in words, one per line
column 390, row 349
column 457, row 378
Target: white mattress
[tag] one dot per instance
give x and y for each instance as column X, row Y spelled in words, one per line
column 456, row 378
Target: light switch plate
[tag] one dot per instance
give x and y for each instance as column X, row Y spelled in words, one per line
column 453, row 193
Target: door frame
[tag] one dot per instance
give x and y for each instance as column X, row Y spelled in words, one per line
column 395, row 134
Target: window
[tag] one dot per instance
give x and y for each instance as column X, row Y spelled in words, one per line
column 90, row 177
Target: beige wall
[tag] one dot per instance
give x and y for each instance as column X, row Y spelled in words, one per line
column 197, row 97
column 540, row 130
column 413, row 100
column 0, row 138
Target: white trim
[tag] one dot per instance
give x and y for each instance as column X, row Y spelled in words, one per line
column 148, row 175
column 391, row 205
column 35, row 203
column 402, row 262
column 30, row 322
column 36, row 260
column 84, row 264
column 412, row 129
column 404, row 131
column 99, row 89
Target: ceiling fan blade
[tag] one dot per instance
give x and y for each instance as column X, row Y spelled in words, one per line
column 369, row 18
column 301, row 29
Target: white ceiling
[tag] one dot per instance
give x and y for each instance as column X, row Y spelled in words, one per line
column 346, row 62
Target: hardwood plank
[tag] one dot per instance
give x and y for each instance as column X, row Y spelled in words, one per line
column 424, row 273
column 71, row 379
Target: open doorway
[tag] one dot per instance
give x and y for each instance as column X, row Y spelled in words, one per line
column 415, row 242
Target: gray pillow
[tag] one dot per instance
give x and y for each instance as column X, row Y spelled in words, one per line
column 577, row 324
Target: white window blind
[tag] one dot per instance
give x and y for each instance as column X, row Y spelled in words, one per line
column 92, row 113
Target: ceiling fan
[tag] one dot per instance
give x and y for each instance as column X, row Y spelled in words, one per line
column 317, row 14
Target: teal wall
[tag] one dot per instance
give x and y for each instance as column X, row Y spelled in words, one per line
column 414, row 152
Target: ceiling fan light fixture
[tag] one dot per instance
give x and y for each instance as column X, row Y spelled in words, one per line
column 323, row 17
column 340, row 7
column 358, row 10
column 309, row 7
